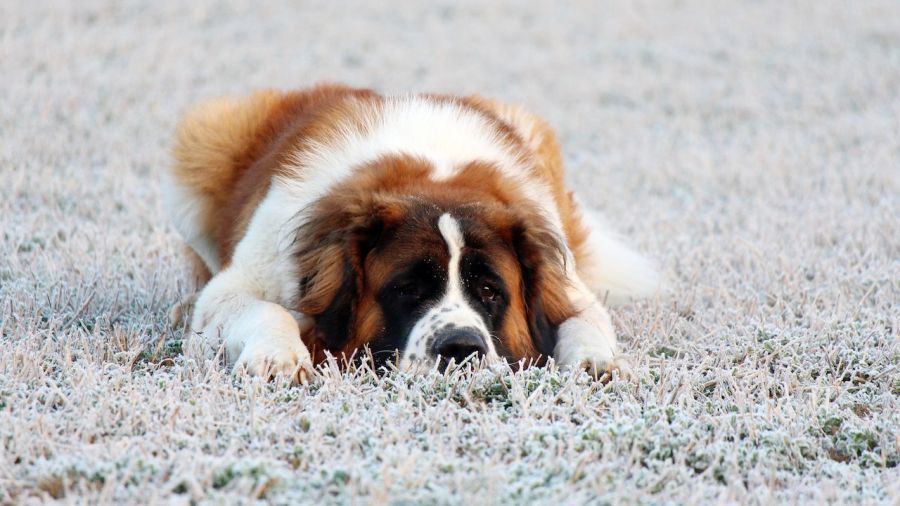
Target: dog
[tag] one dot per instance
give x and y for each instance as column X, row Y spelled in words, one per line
column 425, row 229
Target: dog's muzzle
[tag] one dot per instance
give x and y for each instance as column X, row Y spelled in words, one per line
column 458, row 345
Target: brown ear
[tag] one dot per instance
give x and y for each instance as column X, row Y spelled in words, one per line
column 542, row 259
column 334, row 241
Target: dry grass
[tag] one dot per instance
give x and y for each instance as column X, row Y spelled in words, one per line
column 750, row 148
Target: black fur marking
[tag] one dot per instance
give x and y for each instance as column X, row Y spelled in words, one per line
column 543, row 331
column 333, row 325
column 404, row 301
column 476, row 271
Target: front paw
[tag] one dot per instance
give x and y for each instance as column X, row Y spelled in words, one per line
column 267, row 359
column 603, row 370
column 592, row 347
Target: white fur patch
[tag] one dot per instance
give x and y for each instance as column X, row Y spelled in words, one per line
column 445, row 134
column 449, row 229
column 452, row 309
column 266, row 248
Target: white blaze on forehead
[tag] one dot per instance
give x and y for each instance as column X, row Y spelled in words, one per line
column 453, row 309
column 449, row 228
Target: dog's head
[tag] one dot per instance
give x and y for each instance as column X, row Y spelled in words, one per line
column 417, row 269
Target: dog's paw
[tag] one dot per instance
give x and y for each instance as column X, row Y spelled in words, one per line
column 269, row 359
column 591, row 346
column 604, row 370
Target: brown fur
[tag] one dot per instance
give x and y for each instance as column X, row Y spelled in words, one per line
column 229, row 150
column 540, row 138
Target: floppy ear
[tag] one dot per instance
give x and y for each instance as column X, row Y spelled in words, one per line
column 333, row 243
column 542, row 259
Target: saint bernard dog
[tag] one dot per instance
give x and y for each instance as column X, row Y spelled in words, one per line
column 416, row 230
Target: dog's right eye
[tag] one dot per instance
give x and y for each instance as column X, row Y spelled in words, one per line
column 488, row 293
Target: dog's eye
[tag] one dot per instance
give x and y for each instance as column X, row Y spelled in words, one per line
column 408, row 289
column 488, row 293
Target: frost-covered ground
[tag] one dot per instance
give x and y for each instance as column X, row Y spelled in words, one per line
column 751, row 148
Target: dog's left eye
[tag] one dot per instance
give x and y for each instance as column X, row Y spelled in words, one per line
column 488, row 293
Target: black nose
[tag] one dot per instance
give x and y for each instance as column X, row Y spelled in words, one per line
column 458, row 345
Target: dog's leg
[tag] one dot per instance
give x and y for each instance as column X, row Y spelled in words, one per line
column 242, row 305
column 261, row 336
column 587, row 340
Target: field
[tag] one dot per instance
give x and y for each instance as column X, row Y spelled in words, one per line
column 751, row 149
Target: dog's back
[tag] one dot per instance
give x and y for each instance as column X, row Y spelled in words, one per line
column 225, row 153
